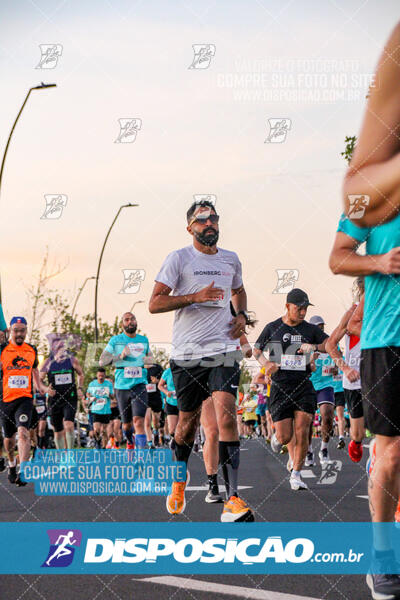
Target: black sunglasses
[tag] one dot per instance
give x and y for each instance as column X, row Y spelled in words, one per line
column 203, row 220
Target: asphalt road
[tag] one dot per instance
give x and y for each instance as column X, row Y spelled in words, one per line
column 335, row 497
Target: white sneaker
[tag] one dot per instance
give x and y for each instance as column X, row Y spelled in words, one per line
column 296, row 483
column 275, row 445
column 309, row 462
column 324, row 457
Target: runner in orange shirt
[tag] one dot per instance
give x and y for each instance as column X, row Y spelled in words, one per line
column 19, row 372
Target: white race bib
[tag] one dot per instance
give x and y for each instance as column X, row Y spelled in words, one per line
column 63, row 378
column 326, row 371
column 293, row 362
column 338, row 377
column 40, row 409
column 18, row 381
column 220, row 302
column 151, row 387
column 130, row 372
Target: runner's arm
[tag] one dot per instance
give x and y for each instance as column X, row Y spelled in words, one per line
column 107, row 358
column 161, row 301
column 162, row 386
column 355, row 323
column 344, row 259
column 270, row 366
column 36, row 380
column 375, row 166
column 81, row 375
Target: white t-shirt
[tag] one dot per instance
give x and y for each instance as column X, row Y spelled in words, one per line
column 201, row 329
column 352, row 356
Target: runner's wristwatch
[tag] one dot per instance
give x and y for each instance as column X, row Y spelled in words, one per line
column 246, row 316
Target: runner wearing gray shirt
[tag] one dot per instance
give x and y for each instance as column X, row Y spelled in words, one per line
column 203, row 280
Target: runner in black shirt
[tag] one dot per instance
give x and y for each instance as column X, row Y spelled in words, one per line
column 290, row 343
column 155, row 403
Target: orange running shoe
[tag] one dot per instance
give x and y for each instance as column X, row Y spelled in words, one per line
column 176, row 502
column 397, row 514
column 236, row 510
column 130, row 446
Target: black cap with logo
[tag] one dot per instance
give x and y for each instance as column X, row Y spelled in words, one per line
column 298, row 297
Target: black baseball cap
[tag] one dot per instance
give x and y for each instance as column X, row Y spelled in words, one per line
column 298, row 297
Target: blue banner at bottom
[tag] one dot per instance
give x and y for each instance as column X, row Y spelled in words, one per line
column 186, row 548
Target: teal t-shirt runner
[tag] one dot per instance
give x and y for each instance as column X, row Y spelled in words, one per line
column 381, row 323
column 101, row 392
column 167, row 377
column 129, row 371
column 322, row 378
column 3, row 324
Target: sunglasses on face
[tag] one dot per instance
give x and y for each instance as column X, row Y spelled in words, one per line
column 202, row 220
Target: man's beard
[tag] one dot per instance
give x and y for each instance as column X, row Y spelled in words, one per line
column 130, row 328
column 207, row 240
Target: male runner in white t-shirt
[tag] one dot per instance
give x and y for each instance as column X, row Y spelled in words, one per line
column 205, row 346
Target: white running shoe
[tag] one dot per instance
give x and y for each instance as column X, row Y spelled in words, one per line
column 324, row 457
column 296, row 483
column 309, row 462
column 275, row 445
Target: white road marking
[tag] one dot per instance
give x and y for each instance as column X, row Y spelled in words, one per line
column 307, row 474
column 199, row 488
column 211, row 588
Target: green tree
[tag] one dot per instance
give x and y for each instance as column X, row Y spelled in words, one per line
column 350, row 142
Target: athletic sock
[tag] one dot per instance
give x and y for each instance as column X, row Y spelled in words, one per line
column 12, row 463
column 129, row 435
column 59, row 442
column 310, row 449
column 212, row 481
column 70, row 439
column 296, row 473
column 324, row 445
column 140, row 440
column 229, row 456
column 182, row 451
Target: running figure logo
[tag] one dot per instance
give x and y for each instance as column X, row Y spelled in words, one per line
column 278, row 129
column 62, row 547
column 132, row 280
column 128, row 129
column 50, row 54
column 203, row 54
column 55, row 204
column 358, row 204
column 286, row 280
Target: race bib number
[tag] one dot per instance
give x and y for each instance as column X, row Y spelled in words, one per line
column 221, row 301
column 151, row 387
column 337, row 377
column 40, row 409
column 18, row 381
column 63, row 378
column 293, row 362
column 130, row 372
column 173, row 395
column 326, row 371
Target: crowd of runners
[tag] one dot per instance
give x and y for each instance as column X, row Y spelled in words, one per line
column 198, row 401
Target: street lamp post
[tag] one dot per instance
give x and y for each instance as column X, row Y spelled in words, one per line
column 79, row 294
column 134, row 304
column 42, row 86
column 96, row 331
